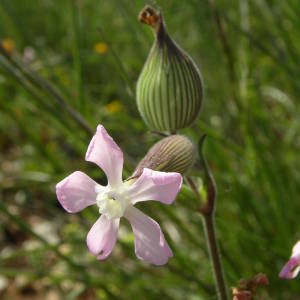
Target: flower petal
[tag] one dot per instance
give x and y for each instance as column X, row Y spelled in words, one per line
column 292, row 267
column 105, row 153
column 154, row 185
column 76, row 192
column 150, row 243
column 102, row 237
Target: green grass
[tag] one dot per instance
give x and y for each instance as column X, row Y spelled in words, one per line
column 248, row 53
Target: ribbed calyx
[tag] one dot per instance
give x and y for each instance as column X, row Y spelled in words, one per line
column 175, row 153
column 169, row 89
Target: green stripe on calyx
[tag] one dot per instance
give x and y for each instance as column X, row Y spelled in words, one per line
column 169, row 88
column 175, row 153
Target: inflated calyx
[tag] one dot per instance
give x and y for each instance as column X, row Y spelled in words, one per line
column 169, row 89
column 175, row 153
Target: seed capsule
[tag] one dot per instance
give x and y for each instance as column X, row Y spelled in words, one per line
column 175, row 153
column 169, row 89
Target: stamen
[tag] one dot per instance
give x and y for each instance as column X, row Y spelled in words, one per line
column 112, row 203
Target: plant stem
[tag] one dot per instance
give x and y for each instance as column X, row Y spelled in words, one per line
column 207, row 206
column 76, row 41
column 214, row 255
column 119, row 64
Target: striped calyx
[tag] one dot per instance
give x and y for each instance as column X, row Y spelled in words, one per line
column 169, row 89
column 175, row 153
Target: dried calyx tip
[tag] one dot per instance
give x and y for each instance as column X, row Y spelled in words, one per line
column 150, row 16
column 169, row 89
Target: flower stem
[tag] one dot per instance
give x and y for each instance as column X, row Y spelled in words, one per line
column 214, row 255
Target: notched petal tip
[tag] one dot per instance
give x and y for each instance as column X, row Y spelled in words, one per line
column 88, row 155
column 150, row 243
column 155, row 185
column 62, row 197
column 103, row 137
column 104, row 152
column 102, row 237
column 163, row 178
column 155, row 261
column 76, row 192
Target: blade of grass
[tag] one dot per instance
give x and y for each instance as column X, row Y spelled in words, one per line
column 76, row 46
column 78, row 268
column 48, row 87
column 118, row 63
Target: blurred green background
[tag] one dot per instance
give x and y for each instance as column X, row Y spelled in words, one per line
column 74, row 64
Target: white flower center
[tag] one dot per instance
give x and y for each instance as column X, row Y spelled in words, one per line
column 113, row 202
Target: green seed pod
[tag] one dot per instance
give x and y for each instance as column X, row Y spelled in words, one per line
column 169, row 89
column 175, row 153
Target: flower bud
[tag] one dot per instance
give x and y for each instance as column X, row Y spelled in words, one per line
column 175, row 153
column 169, row 89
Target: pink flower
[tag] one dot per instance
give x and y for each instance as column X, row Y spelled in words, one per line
column 117, row 199
column 291, row 269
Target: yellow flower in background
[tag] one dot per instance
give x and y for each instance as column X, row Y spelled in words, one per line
column 114, row 106
column 8, row 45
column 101, row 48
